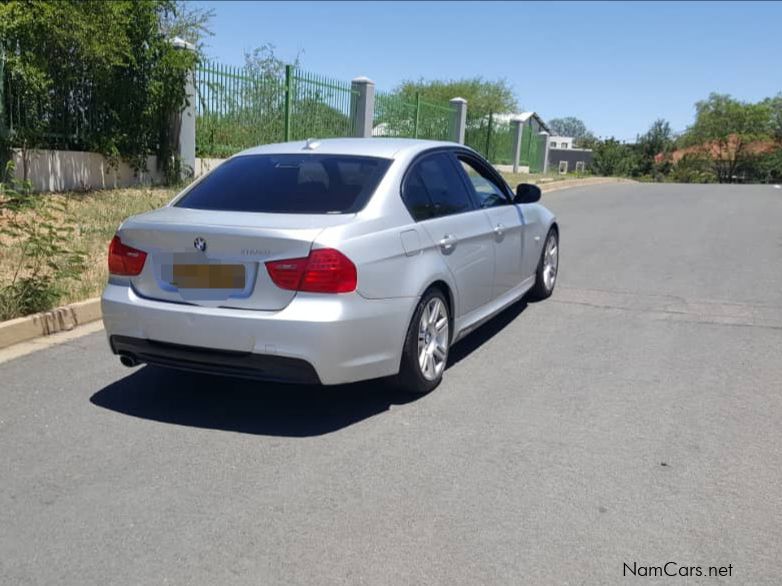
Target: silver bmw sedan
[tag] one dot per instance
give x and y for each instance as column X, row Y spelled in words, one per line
column 327, row 262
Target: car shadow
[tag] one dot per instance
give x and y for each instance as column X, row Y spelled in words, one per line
column 486, row 332
column 244, row 406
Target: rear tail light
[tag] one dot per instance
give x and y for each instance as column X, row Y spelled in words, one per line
column 325, row 270
column 125, row 260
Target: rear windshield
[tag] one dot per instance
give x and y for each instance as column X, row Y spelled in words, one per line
column 289, row 184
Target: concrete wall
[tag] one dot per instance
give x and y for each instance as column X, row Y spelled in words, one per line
column 75, row 171
column 79, row 171
column 203, row 166
column 572, row 156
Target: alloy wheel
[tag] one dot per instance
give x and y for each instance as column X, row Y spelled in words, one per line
column 433, row 339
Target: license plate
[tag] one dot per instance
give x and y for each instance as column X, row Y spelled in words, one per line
column 208, row 276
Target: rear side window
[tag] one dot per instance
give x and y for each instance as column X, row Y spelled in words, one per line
column 289, row 184
column 433, row 188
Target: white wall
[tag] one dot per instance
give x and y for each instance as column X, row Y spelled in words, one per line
column 203, row 166
column 562, row 142
column 75, row 170
column 79, row 171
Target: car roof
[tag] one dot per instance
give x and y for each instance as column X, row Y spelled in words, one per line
column 388, row 148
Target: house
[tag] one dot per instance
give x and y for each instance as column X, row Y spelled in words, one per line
column 560, row 142
column 565, row 158
column 534, row 131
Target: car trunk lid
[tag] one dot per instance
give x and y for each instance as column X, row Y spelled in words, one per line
column 216, row 258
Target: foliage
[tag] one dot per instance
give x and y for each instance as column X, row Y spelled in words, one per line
column 263, row 62
column 774, row 106
column 612, row 158
column 188, row 22
column 573, row 127
column 764, row 167
column 658, row 140
column 47, row 261
column 482, row 96
column 725, row 127
column 97, row 76
column 693, row 168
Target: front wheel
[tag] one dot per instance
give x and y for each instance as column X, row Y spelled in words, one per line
column 548, row 265
column 425, row 352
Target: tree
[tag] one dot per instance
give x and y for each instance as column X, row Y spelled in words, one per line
column 188, row 22
column 657, row 140
column 483, row 96
column 693, row 168
column 263, row 61
column 724, row 127
column 775, row 109
column 612, row 158
column 568, row 126
column 96, row 76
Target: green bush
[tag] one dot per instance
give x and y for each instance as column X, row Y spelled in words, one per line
column 693, row 168
column 92, row 76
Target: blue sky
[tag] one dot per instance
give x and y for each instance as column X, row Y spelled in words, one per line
column 615, row 65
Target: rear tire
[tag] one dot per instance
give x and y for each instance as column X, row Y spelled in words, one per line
column 548, row 267
column 425, row 352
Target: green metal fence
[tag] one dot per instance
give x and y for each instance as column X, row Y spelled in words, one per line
column 320, row 107
column 533, row 150
column 3, row 127
column 67, row 116
column 238, row 108
column 397, row 116
column 490, row 137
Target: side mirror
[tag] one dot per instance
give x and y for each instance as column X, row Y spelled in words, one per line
column 527, row 193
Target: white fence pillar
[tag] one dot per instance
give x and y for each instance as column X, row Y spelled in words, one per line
column 545, row 135
column 518, row 129
column 459, row 106
column 187, row 126
column 364, row 106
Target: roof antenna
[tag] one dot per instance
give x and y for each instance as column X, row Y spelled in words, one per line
column 311, row 144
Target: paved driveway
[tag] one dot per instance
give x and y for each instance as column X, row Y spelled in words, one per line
column 635, row 417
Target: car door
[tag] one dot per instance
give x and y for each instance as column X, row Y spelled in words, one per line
column 460, row 233
column 506, row 220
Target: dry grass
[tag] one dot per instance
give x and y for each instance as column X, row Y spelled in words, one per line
column 97, row 215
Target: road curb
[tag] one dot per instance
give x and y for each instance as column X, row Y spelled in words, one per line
column 568, row 183
column 61, row 319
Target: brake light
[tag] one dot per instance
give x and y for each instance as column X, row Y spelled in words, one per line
column 125, row 260
column 325, row 270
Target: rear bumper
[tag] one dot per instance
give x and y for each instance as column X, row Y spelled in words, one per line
column 226, row 362
column 339, row 338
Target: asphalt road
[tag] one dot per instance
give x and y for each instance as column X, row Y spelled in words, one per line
column 634, row 417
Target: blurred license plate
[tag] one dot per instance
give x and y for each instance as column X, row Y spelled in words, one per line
column 208, row 276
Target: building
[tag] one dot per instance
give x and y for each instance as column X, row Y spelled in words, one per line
column 532, row 149
column 560, row 142
column 564, row 158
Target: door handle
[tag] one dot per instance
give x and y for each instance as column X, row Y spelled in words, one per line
column 499, row 230
column 447, row 243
